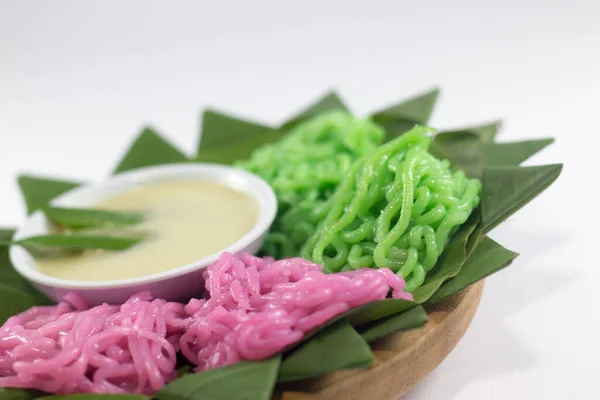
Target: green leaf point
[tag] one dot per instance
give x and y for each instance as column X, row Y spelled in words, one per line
column 401, row 117
column 463, row 149
column 149, row 149
column 506, row 189
column 330, row 101
column 513, row 153
column 417, row 108
column 226, row 138
column 487, row 258
column 486, row 131
column 37, row 192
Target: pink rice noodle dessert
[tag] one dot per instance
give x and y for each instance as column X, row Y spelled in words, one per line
column 253, row 308
column 258, row 306
column 68, row 348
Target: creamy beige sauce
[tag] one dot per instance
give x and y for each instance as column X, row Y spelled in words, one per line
column 187, row 220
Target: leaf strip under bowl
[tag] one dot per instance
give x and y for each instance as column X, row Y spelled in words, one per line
column 77, row 242
column 80, row 218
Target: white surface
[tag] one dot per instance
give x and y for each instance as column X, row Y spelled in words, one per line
column 165, row 282
column 78, row 78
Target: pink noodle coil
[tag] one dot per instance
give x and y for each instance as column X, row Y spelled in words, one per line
column 68, row 348
column 254, row 307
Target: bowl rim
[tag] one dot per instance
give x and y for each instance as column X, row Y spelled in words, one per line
column 229, row 176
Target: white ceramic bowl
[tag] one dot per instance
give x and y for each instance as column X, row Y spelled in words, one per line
column 176, row 284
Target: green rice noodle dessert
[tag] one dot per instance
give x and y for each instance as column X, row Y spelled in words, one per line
column 304, row 168
column 347, row 201
column 396, row 209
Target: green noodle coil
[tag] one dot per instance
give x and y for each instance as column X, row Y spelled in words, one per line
column 304, row 168
column 396, row 208
column 347, row 201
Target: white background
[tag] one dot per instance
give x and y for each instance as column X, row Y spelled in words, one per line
column 77, row 80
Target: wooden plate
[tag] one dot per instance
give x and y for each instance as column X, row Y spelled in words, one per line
column 401, row 360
